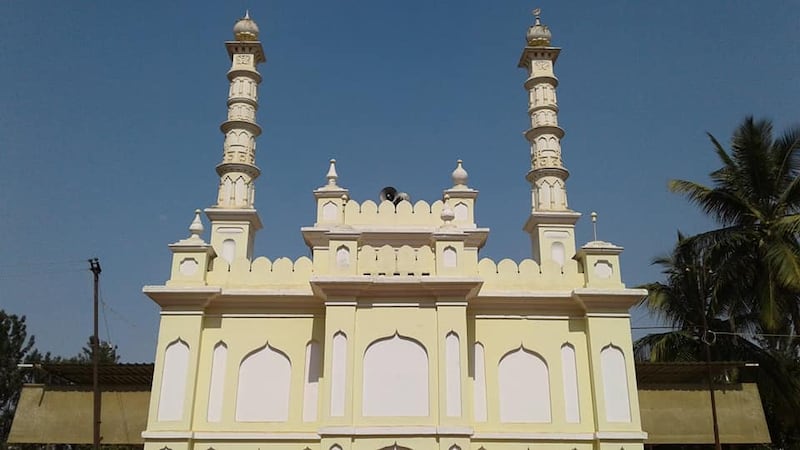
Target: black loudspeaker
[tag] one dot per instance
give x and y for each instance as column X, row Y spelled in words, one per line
column 389, row 193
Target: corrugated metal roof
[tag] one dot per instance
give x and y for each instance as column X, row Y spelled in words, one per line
column 132, row 374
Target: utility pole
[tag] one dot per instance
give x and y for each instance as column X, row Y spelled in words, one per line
column 94, row 266
column 707, row 338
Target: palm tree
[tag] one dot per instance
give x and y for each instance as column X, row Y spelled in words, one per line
column 744, row 277
column 755, row 197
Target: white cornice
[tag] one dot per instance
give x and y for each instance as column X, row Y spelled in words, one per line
column 395, row 287
column 396, row 431
column 166, row 434
column 249, row 436
column 535, row 436
column 621, row 435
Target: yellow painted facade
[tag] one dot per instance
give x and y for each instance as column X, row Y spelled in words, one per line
column 395, row 333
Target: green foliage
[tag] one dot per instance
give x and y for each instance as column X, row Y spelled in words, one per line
column 743, row 277
column 14, row 347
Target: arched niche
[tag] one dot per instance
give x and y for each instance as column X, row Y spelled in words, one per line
column 395, row 378
column 173, row 381
column 570, row 381
column 479, row 384
column 312, row 374
column 453, row 374
column 263, row 391
column 524, row 387
column 615, row 384
column 449, row 257
column 216, row 390
column 338, row 374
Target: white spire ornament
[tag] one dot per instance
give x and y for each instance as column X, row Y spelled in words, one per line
column 332, row 175
column 460, row 176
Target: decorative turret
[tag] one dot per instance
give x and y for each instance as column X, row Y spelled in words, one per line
column 234, row 219
column 551, row 223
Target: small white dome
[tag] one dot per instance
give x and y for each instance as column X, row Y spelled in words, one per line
column 245, row 29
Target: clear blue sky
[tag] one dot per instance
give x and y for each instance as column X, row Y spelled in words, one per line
column 109, row 115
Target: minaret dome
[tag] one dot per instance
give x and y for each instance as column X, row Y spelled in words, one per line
column 538, row 35
column 245, row 29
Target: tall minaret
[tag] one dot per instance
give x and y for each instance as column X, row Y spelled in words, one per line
column 551, row 223
column 234, row 218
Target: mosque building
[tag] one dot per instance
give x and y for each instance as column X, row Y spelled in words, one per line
column 394, row 334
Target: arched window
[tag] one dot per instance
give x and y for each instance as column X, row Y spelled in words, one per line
column 395, row 378
column 524, row 387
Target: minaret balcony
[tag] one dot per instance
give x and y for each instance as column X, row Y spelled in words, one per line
column 532, row 133
column 541, row 79
column 232, row 167
column 244, row 72
column 229, row 125
column 238, row 98
column 542, row 172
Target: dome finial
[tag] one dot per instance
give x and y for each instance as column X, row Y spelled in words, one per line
column 538, row 34
column 245, row 28
column 536, row 13
column 460, row 175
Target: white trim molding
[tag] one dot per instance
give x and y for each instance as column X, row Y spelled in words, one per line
column 535, row 436
column 621, row 435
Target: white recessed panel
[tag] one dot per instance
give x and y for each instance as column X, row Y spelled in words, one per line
column 395, row 378
column 524, row 388
column 228, row 250
column 615, row 385
column 263, row 392
column 449, row 257
column 461, row 212
column 311, row 382
column 329, row 211
column 453, row 375
column 343, row 257
column 173, row 381
column 479, row 386
column 338, row 374
column 217, row 383
column 570, row 380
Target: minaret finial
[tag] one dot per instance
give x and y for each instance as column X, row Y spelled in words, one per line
column 332, row 175
column 246, row 13
column 460, row 175
column 594, row 224
column 196, row 228
column 537, row 12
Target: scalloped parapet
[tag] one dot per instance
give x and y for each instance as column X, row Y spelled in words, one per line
column 281, row 273
column 527, row 275
column 387, row 214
